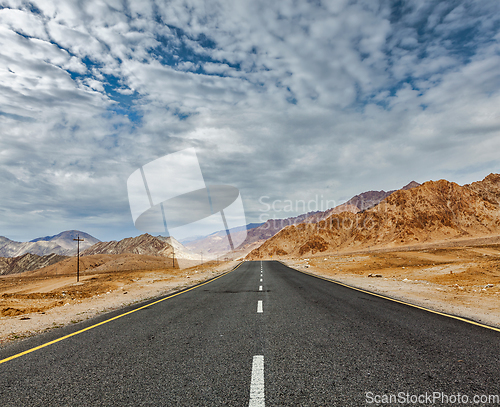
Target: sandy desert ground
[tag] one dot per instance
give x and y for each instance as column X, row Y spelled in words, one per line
column 462, row 280
column 36, row 302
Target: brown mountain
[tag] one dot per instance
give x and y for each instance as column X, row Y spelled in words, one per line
column 356, row 204
column 143, row 244
column 146, row 245
column 27, row 262
column 488, row 189
column 215, row 244
column 435, row 210
column 369, row 199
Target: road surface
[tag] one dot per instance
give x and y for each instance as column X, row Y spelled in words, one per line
column 262, row 335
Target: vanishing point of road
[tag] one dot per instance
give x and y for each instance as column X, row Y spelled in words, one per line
column 261, row 335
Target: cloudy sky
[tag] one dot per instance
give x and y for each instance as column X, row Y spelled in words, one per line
column 286, row 100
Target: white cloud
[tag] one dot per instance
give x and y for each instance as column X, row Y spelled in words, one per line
column 23, row 23
column 282, row 99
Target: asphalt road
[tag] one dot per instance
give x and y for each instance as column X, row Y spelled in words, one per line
column 308, row 343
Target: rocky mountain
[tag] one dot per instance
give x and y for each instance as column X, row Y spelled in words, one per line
column 435, row 210
column 215, row 244
column 27, row 262
column 369, row 199
column 144, row 244
column 488, row 189
column 65, row 239
column 143, row 252
column 356, row 204
column 412, row 184
column 61, row 244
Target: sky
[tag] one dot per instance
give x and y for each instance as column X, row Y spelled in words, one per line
column 288, row 101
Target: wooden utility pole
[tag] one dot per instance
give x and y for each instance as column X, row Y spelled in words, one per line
column 78, row 258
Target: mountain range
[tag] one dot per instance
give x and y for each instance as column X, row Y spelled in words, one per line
column 142, row 251
column 144, row 244
column 416, row 213
column 61, row 244
column 215, row 244
column 433, row 211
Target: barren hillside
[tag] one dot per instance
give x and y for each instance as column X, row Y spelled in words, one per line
column 144, row 244
column 97, row 263
column 356, row 204
column 27, row 262
column 435, row 210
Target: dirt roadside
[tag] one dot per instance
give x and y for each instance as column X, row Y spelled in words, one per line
column 30, row 305
column 460, row 280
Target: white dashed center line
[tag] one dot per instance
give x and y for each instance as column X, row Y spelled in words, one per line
column 261, row 280
column 259, row 307
column 257, row 397
column 260, row 288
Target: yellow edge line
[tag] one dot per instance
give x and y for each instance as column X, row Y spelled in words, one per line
column 394, row 300
column 111, row 319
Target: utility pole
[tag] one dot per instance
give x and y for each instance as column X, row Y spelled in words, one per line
column 173, row 249
column 78, row 258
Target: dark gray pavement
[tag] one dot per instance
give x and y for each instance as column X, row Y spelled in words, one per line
column 323, row 345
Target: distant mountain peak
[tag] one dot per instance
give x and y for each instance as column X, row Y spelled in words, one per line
column 412, row 184
column 61, row 244
column 435, row 211
column 66, row 235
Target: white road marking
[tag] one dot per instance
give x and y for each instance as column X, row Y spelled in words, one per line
column 260, row 288
column 259, row 307
column 261, row 280
column 257, row 396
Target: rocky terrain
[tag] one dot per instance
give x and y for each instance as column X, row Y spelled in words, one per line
column 144, row 245
column 27, row 262
column 369, row 199
column 215, row 244
column 356, row 204
column 433, row 211
column 34, row 302
column 134, row 253
column 436, row 245
column 97, row 263
column 459, row 278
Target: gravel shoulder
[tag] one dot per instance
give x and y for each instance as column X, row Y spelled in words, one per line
column 30, row 305
column 462, row 281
